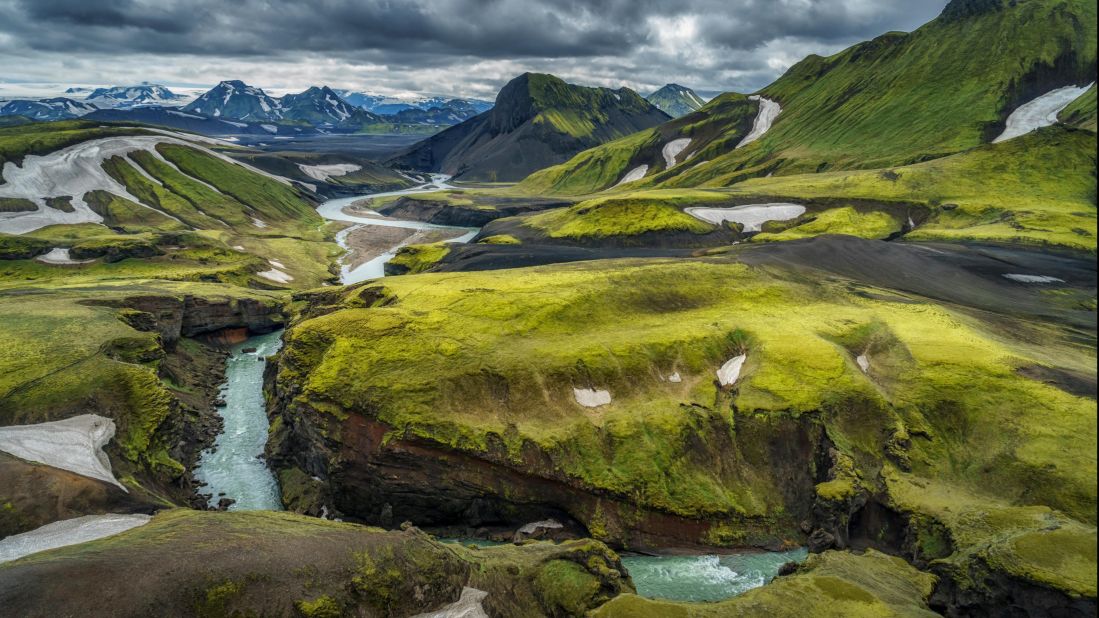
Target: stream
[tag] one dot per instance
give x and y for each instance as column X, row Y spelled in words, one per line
column 235, row 465
column 372, row 269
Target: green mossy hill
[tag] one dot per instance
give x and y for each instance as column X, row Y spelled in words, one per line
column 895, row 100
column 485, row 364
column 1081, row 113
column 713, row 130
column 69, row 350
column 977, row 543
column 279, row 564
column 845, row 220
column 1035, row 189
column 833, row 584
column 631, row 214
column 412, row 259
column 538, row 120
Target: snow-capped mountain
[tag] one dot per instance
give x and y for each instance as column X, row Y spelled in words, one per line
column 235, row 99
column 385, row 104
column 59, row 108
column 322, row 107
column 134, row 96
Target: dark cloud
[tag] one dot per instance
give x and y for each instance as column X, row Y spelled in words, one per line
column 713, row 44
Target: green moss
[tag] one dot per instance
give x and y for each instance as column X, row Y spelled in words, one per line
column 216, row 599
column 17, row 204
column 566, row 588
column 412, row 259
column 624, row 215
column 1037, row 188
column 844, row 220
column 320, row 607
column 1081, row 113
column 14, row 247
column 500, row 239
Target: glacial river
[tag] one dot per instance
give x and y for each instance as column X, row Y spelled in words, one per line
column 372, row 269
column 235, row 465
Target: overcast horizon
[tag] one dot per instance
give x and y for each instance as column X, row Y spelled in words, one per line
column 464, row 48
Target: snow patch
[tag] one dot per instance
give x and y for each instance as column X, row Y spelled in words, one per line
column 270, row 128
column 636, row 173
column 60, row 255
column 1040, row 112
column 751, row 216
column 1033, row 278
column 768, row 111
column 675, row 378
column 67, row 532
column 672, row 149
column 730, row 371
column 591, row 398
column 469, row 605
column 74, row 444
column 276, row 275
column 276, row 264
column 185, row 114
column 863, row 362
column 324, row 172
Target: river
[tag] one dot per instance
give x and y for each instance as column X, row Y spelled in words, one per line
column 372, row 269
column 235, row 465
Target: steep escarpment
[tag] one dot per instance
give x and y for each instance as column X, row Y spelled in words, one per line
column 538, row 120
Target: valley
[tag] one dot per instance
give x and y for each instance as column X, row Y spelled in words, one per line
column 822, row 348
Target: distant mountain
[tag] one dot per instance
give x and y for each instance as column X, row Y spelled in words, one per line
column 322, row 107
column 239, row 101
column 133, row 96
column 198, row 123
column 538, row 120
column 676, row 100
column 389, row 105
column 448, row 113
column 58, row 108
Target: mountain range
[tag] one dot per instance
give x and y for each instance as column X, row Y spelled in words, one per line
column 236, row 107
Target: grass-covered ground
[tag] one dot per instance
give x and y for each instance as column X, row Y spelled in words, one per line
column 626, row 326
column 629, row 214
column 1035, row 189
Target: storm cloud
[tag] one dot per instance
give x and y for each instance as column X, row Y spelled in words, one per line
column 458, row 47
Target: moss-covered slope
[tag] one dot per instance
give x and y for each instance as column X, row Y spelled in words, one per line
column 898, row 99
column 279, row 564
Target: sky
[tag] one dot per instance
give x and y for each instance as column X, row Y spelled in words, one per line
column 448, row 47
